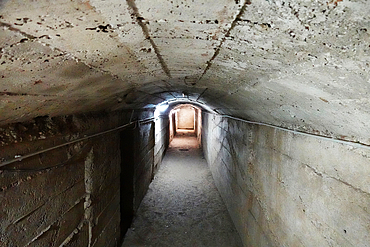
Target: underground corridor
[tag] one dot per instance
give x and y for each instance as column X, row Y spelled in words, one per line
column 200, row 123
column 182, row 206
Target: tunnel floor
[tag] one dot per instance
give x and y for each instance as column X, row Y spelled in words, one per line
column 182, row 206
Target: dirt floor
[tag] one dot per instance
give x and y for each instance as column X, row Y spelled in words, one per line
column 182, row 206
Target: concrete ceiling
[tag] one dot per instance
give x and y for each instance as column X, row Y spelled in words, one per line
column 299, row 64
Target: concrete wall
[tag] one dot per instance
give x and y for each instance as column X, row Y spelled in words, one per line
column 70, row 195
column 162, row 130
column 185, row 117
column 286, row 189
column 143, row 160
column 172, row 125
column 198, row 125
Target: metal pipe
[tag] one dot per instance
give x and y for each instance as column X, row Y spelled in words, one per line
column 354, row 144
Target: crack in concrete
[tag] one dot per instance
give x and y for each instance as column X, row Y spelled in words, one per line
column 233, row 24
column 168, row 84
column 200, row 95
column 233, row 154
column 257, row 222
column 234, row 177
column 39, row 235
column 73, row 233
column 26, row 94
column 56, row 224
column 11, row 28
column 323, row 175
column 43, row 204
column 64, row 53
column 8, row 56
column 142, row 24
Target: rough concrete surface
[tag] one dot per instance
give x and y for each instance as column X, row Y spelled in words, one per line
column 183, row 206
column 294, row 63
column 298, row 64
column 70, row 195
column 286, row 189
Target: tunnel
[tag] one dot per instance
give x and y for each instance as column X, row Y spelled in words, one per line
column 279, row 89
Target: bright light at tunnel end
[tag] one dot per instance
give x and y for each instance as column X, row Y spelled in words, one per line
column 162, row 107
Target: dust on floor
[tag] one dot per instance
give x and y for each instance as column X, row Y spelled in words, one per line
column 182, row 206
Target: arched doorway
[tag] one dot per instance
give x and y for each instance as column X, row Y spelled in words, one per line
column 186, row 119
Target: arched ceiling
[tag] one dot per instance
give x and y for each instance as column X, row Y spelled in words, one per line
column 299, row 64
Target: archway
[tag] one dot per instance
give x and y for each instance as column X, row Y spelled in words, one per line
column 186, row 119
